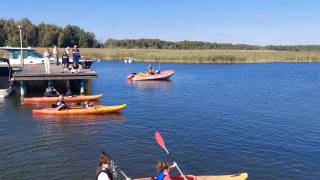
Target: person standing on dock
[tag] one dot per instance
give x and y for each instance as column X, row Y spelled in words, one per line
column 46, row 56
column 76, row 58
column 56, row 55
column 74, row 53
column 65, row 61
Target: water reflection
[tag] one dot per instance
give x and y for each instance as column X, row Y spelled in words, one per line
column 81, row 118
column 150, row 84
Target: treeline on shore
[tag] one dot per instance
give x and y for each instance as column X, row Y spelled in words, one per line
column 199, row 45
column 44, row 35
column 47, row 35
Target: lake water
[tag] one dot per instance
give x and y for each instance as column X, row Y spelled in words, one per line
column 263, row 119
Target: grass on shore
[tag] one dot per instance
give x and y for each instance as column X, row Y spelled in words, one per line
column 200, row 56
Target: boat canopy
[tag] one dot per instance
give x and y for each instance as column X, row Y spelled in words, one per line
column 28, row 53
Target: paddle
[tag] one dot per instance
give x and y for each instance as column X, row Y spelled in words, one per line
column 54, row 89
column 160, row 141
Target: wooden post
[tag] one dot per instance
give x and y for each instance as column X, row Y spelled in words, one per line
column 82, row 86
column 88, row 86
column 23, row 88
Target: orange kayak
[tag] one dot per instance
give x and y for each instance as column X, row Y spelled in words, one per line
column 241, row 176
column 38, row 100
column 166, row 74
column 80, row 110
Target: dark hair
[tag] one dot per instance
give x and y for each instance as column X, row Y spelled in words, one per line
column 162, row 165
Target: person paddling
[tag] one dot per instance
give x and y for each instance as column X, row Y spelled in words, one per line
column 50, row 92
column 60, row 104
column 103, row 171
column 163, row 170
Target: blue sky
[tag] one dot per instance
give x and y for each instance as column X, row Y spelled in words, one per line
column 259, row 22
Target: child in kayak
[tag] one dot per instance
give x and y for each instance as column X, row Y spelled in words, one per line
column 88, row 104
column 60, row 104
column 163, row 170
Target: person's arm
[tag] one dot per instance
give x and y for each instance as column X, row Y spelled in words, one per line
column 172, row 166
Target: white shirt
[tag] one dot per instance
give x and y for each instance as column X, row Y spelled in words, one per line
column 55, row 51
column 103, row 176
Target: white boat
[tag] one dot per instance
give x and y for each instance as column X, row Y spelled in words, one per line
column 30, row 56
column 130, row 59
column 6, row 84
column 7, row 90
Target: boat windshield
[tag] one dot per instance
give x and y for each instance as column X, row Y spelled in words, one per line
column 27, row 54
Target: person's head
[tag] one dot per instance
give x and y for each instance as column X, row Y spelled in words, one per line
column 64, row 53
column 61, row 97
column 104, row 161
column 75, row 47
column 162, row 165
column 54, row 46
column 48, row 50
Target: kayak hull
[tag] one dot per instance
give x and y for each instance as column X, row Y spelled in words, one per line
column 80, row 110
column 163, row 75
column 241, row 176
column 41, row 100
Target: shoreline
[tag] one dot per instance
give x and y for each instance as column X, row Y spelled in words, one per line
column 200, row 56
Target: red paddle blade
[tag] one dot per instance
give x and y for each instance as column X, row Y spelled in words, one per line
column 159, row 139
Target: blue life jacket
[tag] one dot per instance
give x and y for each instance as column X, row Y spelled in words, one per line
column 160, row 175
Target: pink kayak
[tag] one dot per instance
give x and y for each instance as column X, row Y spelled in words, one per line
column 166, row 74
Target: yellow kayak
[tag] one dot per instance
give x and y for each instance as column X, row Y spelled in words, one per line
column 241, row 176
column 80, row 110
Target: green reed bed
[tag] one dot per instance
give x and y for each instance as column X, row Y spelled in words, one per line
column 201, row 56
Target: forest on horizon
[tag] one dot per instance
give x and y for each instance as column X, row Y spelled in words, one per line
column 48, row 35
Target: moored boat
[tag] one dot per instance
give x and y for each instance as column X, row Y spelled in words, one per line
column 7, row 91
column 80, row 110
column 6, row 83
column 39, row 100
column 32, row 56
column 162, row 75
column 241, row 176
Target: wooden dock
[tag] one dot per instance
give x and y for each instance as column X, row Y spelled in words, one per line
column 37, row 72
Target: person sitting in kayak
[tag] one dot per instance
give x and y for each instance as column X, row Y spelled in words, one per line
column 88, row 104
column 150, row 70
column 50, row 92
column 60, row 104
column 163, row 170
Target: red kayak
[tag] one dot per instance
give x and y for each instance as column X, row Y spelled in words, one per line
column 162, row 75
column 38, row 100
